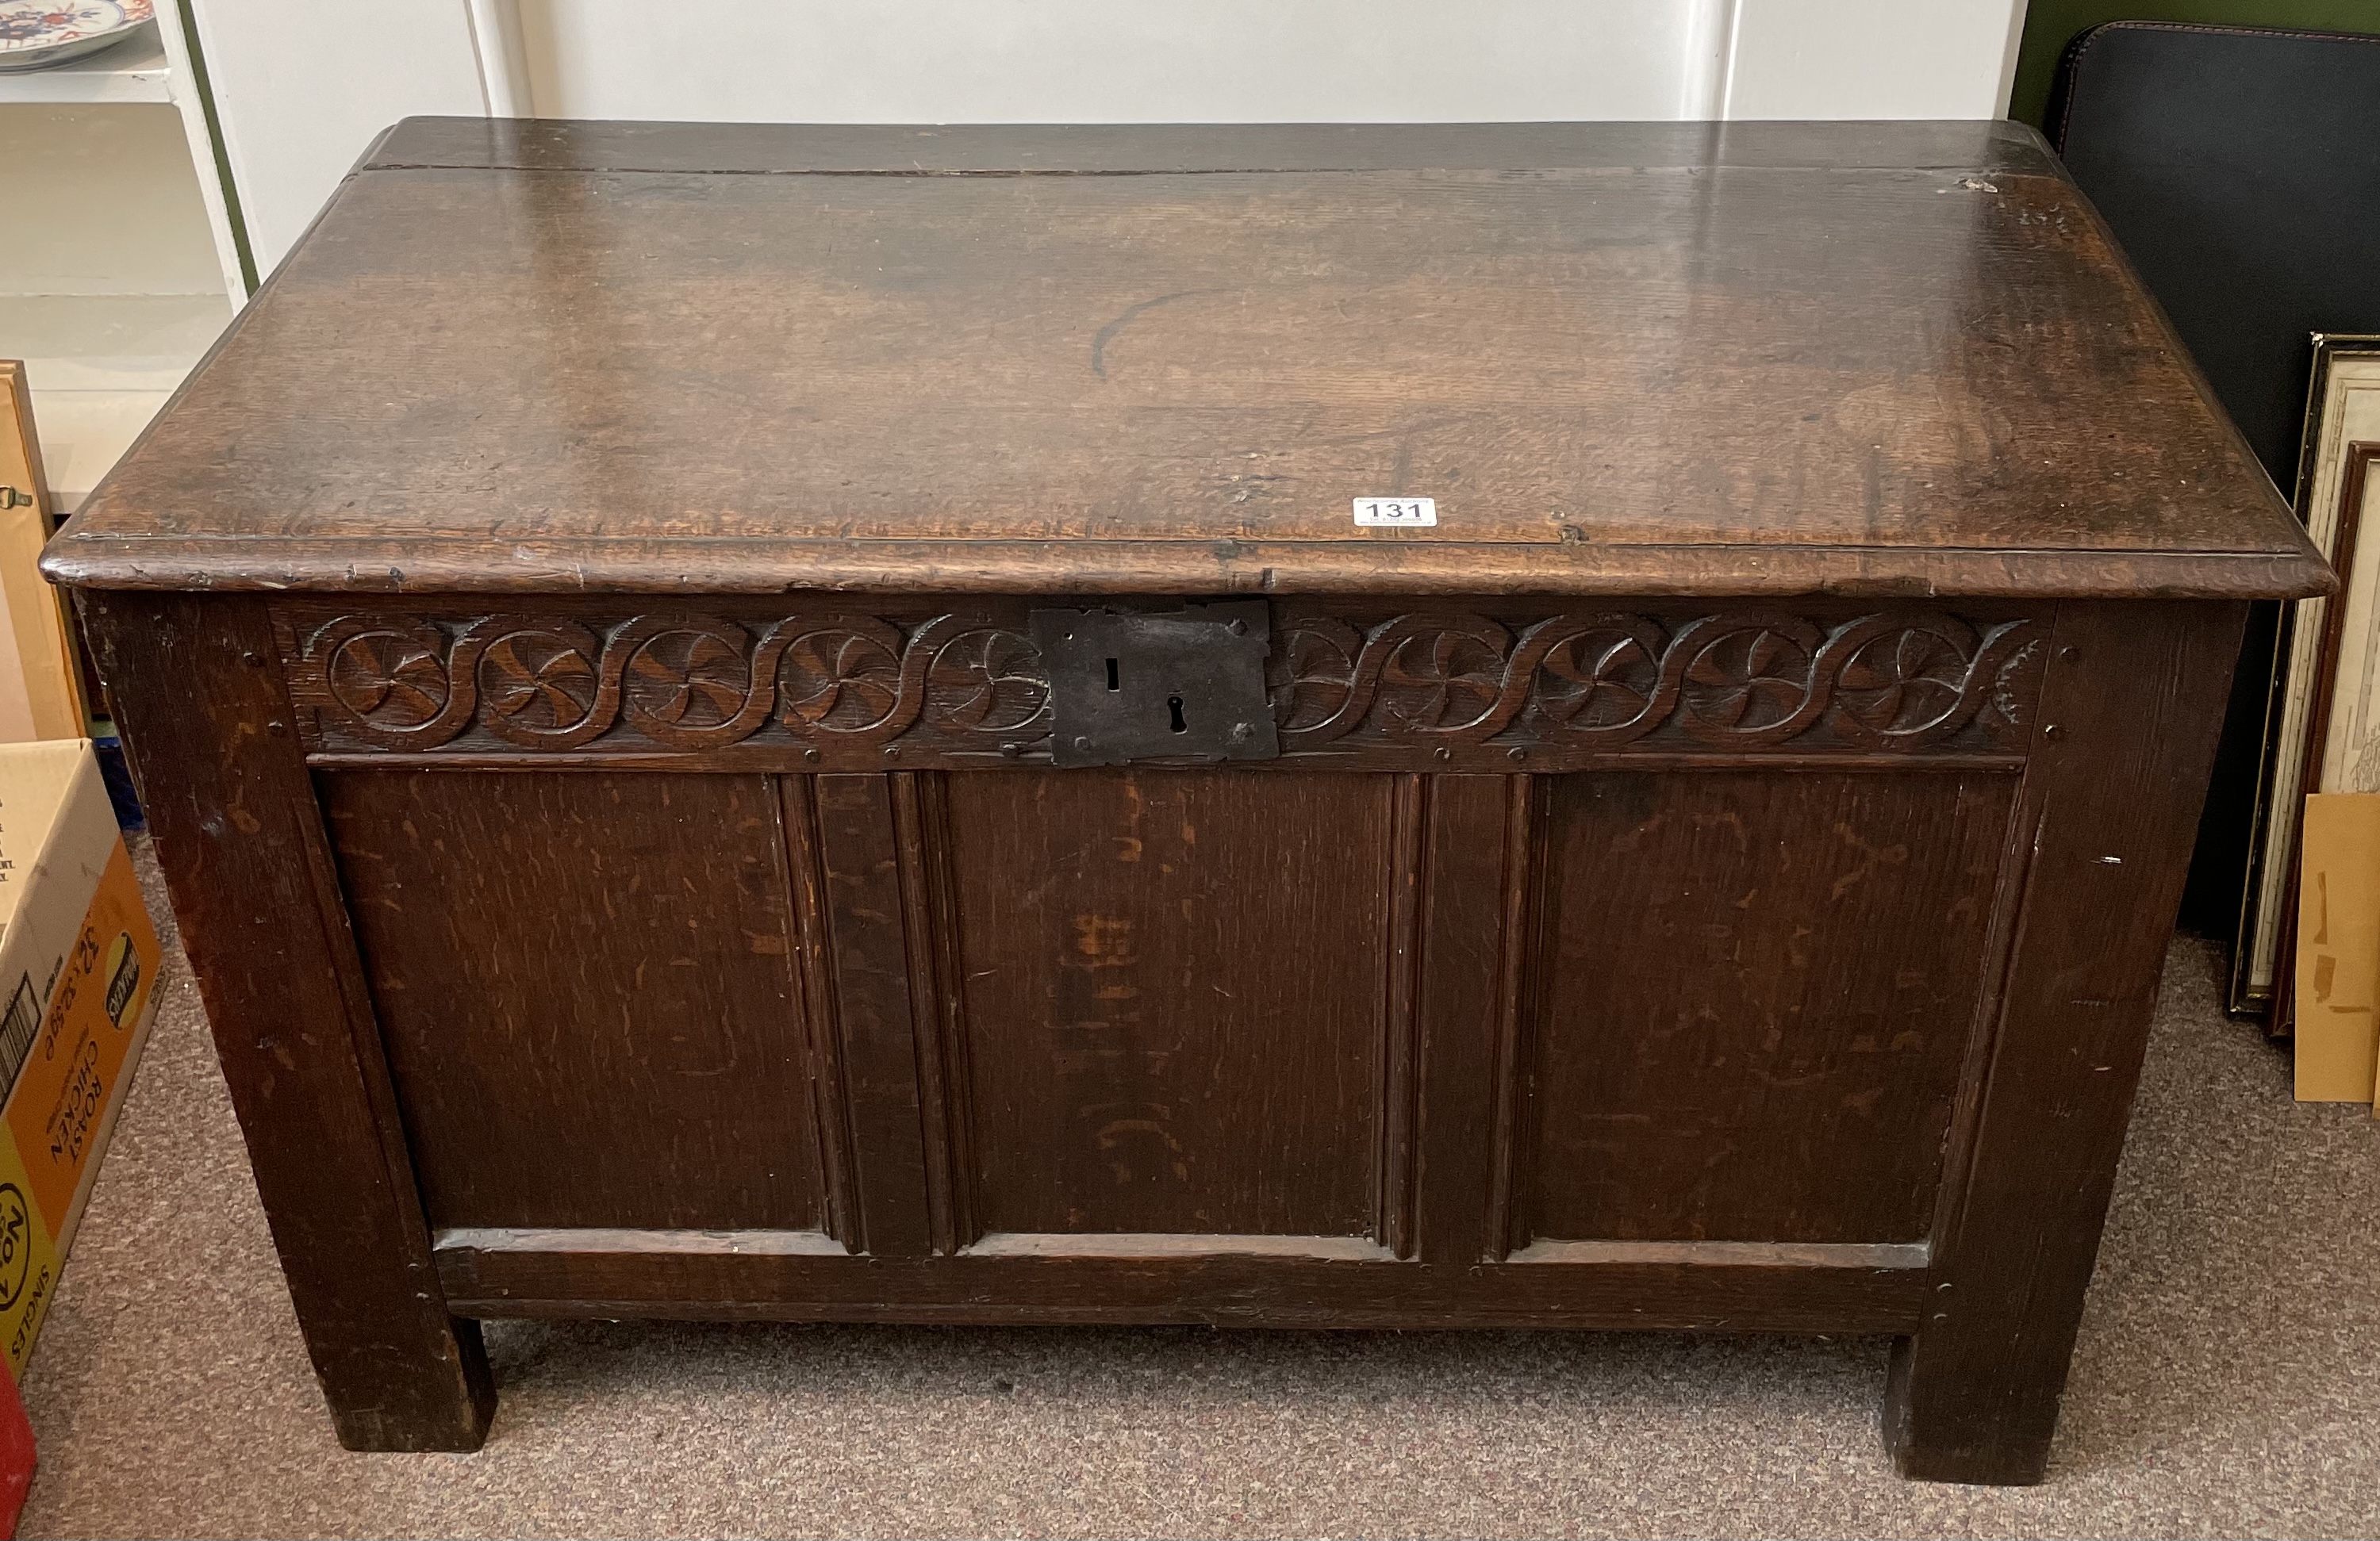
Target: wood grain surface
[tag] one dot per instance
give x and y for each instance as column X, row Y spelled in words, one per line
column 1745, row 373
column 585, row 987
column 1174, row 998
column 1123, row 148
column 1216, row 1279
column 2108, row 805
column 1757, row 997
column 241, row 843
column 845, row 833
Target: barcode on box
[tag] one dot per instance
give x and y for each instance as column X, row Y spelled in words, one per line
column 1396, row 511
column 17, row 1030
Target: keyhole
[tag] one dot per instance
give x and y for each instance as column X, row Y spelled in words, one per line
column 1113, row 682
column 1174, row 703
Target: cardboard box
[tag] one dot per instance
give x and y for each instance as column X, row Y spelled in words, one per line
column 78, row 961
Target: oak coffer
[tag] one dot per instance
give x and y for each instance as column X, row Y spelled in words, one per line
column 1325, row 726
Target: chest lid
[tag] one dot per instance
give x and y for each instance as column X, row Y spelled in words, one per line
column 1643, row 359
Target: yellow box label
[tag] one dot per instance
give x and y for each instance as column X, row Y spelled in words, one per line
column 29, row 1264
column 55, row 1110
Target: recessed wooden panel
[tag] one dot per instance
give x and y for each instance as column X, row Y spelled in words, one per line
column 585, row 985
column 1174, row 998
column 1756, row 998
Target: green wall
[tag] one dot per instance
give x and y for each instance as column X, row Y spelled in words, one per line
column 2050, row 25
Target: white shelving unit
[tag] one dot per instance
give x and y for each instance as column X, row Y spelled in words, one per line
column 133, row 71
column 120, row 268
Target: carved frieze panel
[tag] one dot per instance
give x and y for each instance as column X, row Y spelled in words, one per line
column 1350, row 682
column 1748, row 679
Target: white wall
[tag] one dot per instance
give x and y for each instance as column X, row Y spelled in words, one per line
column 301, row 88
column 1142, row 61
column 1874, row 58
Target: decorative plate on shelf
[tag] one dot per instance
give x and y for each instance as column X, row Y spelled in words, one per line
column 35, row 34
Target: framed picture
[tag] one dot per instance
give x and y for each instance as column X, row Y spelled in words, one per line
column 2342, row 740
column 2325, row 709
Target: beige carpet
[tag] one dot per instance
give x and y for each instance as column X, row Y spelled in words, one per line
column 2229, row 1383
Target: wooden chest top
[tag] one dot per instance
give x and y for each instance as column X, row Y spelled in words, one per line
column 1872, row 359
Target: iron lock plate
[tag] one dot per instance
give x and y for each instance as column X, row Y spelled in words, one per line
column 1186, row 684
